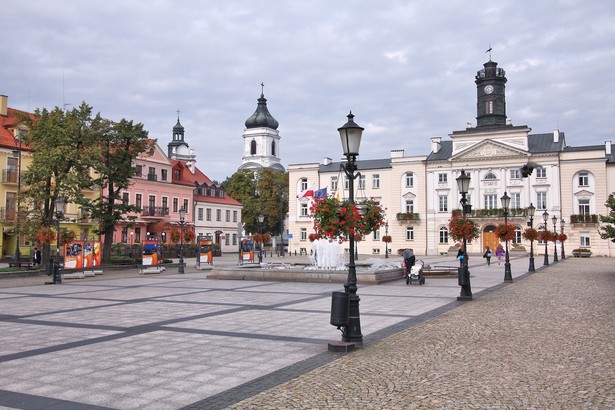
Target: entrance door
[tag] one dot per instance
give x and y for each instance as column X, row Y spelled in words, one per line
column 490, row 239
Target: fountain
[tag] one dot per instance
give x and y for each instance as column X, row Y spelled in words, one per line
column 326, row 255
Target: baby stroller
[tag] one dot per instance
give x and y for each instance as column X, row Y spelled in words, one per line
column 416, row 273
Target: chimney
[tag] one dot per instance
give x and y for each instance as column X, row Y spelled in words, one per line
column 326, row 161
column 4, row 101
column 435, row 144
column 397, row 153
column 607, row 147
column 556, row 136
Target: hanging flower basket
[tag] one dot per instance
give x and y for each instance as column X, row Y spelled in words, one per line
column 46, row 234
column 313, row 236
column 67, row 237
column 505, row 232
column 358, row 237
column 530, row 234
column 562, row 237
column 463, row 228
column 338, row 220
column 257, row 237
column 547, row 236
column 175, row 235
column 266, row 238
column 387, row 239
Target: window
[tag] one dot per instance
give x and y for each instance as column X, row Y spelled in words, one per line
column 375, row 251
column 361, row 181
column 252, row 147
column 273, row 148
column 208, row 214
column 541, row 172
column 163, row 174
column 409, row 233
column 490, row 175
column 227, row 239
column 304, row 210
column 584, row 239
column 125, row 199
column 139, row 170
column 443, row 203
column 346, row 184
column 234, row 239
column 376, row 181
column 139, row 200
column 376, row 235
column 228, row 216
column 443, row 235
column 186, row 206
column 304, row 183
column 200, row 214
column 491, row 201
column 333, row 183
column 137, row 235
column 583, row 179
column 515, row 200
column 489, row 107
column 517, row 238
column 541, row 200
column 124, row 235
column 177, row 175
column 409, row 179
column 234, row 216
column 584, row 206
column 165, row 202
column 515, row 174
column 540, row 228
column 409, row 205
column 218, row 215
column 442, row 178
column 303, row 235
column 175, row 205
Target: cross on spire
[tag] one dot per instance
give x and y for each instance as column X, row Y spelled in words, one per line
column 489, row 51
column 262, row 88
column 178, row 111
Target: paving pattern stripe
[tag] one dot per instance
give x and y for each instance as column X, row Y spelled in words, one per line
column 29, row 401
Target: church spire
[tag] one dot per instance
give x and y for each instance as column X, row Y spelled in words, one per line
column 261, row 117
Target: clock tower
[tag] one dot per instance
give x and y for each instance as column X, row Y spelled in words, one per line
column 491, row 96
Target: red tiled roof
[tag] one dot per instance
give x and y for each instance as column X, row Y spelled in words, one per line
column 7, row 123
column 227, row 200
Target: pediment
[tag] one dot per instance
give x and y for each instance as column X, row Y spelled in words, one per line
column 488, row 150
column 409, row 195
column 584, row 194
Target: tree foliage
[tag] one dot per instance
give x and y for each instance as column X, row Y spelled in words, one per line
column 608, row 231
column 261, row 192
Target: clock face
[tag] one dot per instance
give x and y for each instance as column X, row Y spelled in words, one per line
column 488, row 89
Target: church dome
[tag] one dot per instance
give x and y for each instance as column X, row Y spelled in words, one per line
column 262, row 117
column 178, row 128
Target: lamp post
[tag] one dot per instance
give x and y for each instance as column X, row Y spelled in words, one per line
column 545, row 218
column 505, row 199
column 17, row 154
column 554, row 219
column 463, row 184
column 561, row 224
column 350, row 137
column 531, row 210
column 59, row 208
column 386, row 244
column 182, row 222
column 261, row 219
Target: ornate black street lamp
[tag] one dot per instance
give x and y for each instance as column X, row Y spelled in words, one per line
column 386, row 244
column 561, row 224
column 545, row 218
column 554, row 219
column 182, row 223
column 531, row 210
column 59, row 208
column 350, row 136
column 505, row 199
column 17, row 154
column 261, row 219
column 463, row 184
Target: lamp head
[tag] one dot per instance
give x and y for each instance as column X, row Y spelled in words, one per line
column 554, row 219
column 531, row 210
column 545, row 216
column 463, row 182
column 505, row 199
column 350, row 135
column 59, row 205
column 261, row 218
column 182, row 214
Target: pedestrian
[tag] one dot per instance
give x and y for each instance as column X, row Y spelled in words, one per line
column 487, row 256
column 37, row 256
column 461, row 254
column 409, row 260
column 499, row 253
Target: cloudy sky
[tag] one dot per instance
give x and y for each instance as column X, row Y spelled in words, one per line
column 405, row 68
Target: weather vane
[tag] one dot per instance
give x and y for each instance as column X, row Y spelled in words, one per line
column 489, row 51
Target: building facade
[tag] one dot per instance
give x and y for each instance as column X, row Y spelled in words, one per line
column 569, row 184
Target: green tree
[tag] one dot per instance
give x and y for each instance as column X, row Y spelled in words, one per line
column 608, row 231
column 261, row 192
column 118, row 144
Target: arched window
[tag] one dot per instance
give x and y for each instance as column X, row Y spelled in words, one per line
column 443, row 235
column 253, row 147
column 273, row 148
column 490, row 175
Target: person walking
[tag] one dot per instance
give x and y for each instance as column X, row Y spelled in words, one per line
column 461, row 255
column 409, row 260
column 487, row 256
column 37, row 256
column 499, row 253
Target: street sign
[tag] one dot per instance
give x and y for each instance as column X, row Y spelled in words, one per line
column 289, row 236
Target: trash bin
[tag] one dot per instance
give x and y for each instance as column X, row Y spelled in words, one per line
column 340, row 306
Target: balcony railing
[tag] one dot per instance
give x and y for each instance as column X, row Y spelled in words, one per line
column 9, row 176
column 408, row 216
column 584, row 219
column 152, row 177
column 155, row 211
column 493, row 212
column 8, row 214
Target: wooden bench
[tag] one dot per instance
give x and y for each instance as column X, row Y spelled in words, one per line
column 22, row 264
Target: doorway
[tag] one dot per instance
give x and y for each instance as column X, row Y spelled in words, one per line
column 490, row 239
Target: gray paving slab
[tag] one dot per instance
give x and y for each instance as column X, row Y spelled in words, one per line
column 170, row 341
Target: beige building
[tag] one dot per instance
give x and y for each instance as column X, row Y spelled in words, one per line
column 420, row 193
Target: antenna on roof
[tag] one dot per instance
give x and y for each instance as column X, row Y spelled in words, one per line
column 64, row 104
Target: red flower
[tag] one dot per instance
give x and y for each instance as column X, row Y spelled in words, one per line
column 505, row 232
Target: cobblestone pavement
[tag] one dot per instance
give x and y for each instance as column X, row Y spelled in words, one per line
column 545, row 342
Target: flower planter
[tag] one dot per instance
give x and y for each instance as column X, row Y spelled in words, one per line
column 581, row 254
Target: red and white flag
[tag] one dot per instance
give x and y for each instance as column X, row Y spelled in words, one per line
column 308, row 192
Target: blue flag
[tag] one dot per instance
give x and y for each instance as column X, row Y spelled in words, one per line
column 320, row 193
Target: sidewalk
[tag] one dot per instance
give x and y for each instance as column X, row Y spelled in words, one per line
column 169, row 341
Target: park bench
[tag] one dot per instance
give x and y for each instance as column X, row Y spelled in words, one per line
column 20, row 264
